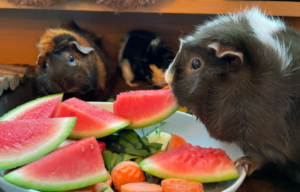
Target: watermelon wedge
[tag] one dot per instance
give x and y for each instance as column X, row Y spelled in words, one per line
column 193, row 163
column 75, row 166
column 145, row 108
column 91, row 121
column 23, row 141
column 44, row 107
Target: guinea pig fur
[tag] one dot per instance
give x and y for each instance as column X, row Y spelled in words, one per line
column 73, row 60
column 240, row 75
column 143, row 56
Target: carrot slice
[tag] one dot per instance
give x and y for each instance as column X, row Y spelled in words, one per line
column 176, row 141
column 127, row 172
column 141, row 187
column 179, row 185
column 108, row 182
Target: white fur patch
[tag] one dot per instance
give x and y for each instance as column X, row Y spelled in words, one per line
column 122, row 46
column 155, row 42
column 169, row 75
column 126, row 71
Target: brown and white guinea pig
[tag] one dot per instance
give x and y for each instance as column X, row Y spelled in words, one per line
column 240, row 75
column 73, row 60
column 143, row 56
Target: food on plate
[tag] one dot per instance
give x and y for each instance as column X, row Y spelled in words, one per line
column 75, row 166
column 129, row 142
column 91, row 121
column 108, row 182
column 60, row 152
column 176, row 141
column 164, row 139
column 179, row 185
column 152, row 136
column 105, row 188
column 127, row 172
column 44, row 107
column 157, row 136
column 145, row 108
column 113, row 159
column 141, row 187
column 193, row 163
column 23, row 141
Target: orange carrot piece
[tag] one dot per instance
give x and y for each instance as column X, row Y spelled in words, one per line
column 179, row 185
column 127, row 172
column 108, row 182
column 176, row 141
column 141, row 187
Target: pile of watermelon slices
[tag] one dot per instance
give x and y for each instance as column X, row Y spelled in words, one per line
column 50, row 145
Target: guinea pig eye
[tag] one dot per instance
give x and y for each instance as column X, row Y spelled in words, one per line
column 71, row 58
column 196, row 64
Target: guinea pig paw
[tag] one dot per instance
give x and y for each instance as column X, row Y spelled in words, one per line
column 132, row 84
column 246, row 163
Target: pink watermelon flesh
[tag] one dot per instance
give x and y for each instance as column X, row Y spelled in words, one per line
column 23, row 141
column 91, row 121
column 44, row 107
column 193, row 163
column 102, row 145
column 145, row 108
column 77, row 165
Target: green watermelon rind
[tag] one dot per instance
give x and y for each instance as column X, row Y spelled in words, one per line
column 156, row 119
column 20, row 109
column 149, row 167
column 103, row 133
column 23, row 180
column 67, row 126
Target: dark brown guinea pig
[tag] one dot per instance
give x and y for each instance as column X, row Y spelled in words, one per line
column 73, row 60
column 240, row 75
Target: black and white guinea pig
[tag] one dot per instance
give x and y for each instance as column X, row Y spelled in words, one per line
column 143, row 56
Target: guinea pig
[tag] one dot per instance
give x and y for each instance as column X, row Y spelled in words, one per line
column 143, row 56
column 240, row 75
column 73, row 60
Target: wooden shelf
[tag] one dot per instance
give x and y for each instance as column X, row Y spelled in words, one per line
column 180, row 6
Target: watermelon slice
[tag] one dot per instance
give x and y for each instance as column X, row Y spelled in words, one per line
column 44, row 107
column 193, row 163
column 23, row 141
column 75, row 166
column 145, row 108
column 91, row 121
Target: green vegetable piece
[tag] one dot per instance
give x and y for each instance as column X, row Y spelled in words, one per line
column 105, row 188
column 164, row 139
column 153, row 135
column 113, row 159
column 129, row 142
column 110, row 100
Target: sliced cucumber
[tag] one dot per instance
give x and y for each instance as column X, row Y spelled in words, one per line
column 164, row 138
column 153, row 135
column 105, row 188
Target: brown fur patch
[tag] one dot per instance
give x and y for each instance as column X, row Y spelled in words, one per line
column 158, row 77
column 46, row 43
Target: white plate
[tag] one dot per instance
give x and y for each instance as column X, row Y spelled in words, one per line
column 186, row 126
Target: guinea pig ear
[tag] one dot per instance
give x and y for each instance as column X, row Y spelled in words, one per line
column 225, row 51
column 84, row 50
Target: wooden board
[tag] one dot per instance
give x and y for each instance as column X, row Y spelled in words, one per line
column 182, row 6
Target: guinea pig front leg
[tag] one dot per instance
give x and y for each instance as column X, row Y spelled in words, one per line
column 250, row 163
column 127, row 72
